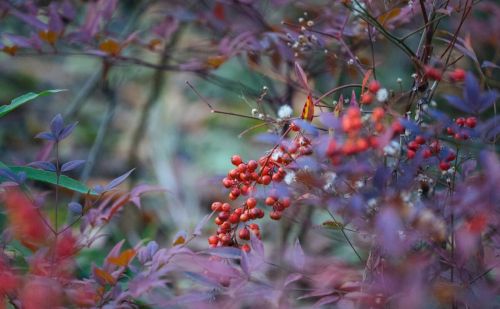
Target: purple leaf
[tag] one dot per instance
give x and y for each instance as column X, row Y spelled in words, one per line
column 298, row 257
column 71, row 165
column 46, row 136
column 137, row 192
column 117, row 181
column 257, row 245
column 292, row 278
column 245, row 263
column 489, row 64
column 67, row 131
column 43, row 165
column 301, row 76
column 55, row 22
column 225, row 252
column 201, row 224
column 202, row 279
column 326, row 300
column 56, row 125
column 353, row 102
column 487, row 100
column 458, row 103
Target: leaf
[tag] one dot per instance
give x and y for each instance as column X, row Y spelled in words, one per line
column 111, row 47
column 257, row 245
column 245, row 263
column 51, row 177
column 179, row 238
column 298, row 257
column 326, row 300
column 15, row 103
column 201, row 224
column 43, row 165
column 117, row 181
column 489, row 64
column 332, row 225
column 308, row 110
column 216, row 61
column 292, row 278
column 225, row 252
column 301, row 76
column 104, row 276
column 123, row 259
column 71, row 165
column 382, row 19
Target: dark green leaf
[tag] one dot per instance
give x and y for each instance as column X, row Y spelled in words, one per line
column 5, row 109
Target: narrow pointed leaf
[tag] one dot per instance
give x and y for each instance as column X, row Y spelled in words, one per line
column 15, row 103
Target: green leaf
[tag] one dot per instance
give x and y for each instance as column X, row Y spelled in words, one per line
column 51, row 177
column 5, row 109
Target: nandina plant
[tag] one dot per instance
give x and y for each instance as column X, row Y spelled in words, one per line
column 385, row 191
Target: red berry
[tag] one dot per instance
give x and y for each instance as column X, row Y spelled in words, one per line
column 435, row 147
column 286, row 202
column 419, row 139
column 245, row 248
column 444, row 166
column 226, row 239
column 254, row 226
column 234, row 218
column 427, row 153
column 227, row 182
column 433, row 73
column 218, row 221
column 213, row 240
column 244, row 217
column 452, row 156
column 270, row 201
column 413, row 145
column 449, row 131
column 242, row 167
column 226, row 226
column 378, row 114
column 397, row 127
column 374, row 86
column 366, row 98
column 216, row 206
column 226, row 207
column 251, row 202
column 410, row 154
column 460, row 121
column 266, row 179
column 252, row 165
column 471, row 122
column 236, row 160
column 276, row 177
column 457, row 75
column 244, row 234
column 275, row 215
column 223, row 215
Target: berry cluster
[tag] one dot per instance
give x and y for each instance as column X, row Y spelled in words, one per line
column 460, row 132
column 434, row 148
column 242, row 181
column 367, row 96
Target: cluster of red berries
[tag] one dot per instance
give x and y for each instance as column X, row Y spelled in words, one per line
column 241, row 181
column 367, row 96
column 433, row 149
column 358, row 140
column 469, row 122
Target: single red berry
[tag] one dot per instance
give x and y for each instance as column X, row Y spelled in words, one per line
column 435, row 147
column 277, row 177
column 444, row 166
column 242, row 167
column 270, row 201
column 252, row 165
column 449, row 131
column 245, row 248
column 362, row 144
column 266, row 179
column 226, row 207
column 286, row 202
column 452, row 156
column 458, row 75
column 397, row 127
column 244, row 217
column 374, row 86
column 251, row 202
column 228, row 183
column 225, row 240
column 213, row 240
column 234, row 173
column 223, row 215
column 433, row 73
column 244, row 233
column 216, row 206
column 419, row 139
column 366, row 98
column 254, row 226
column 226, row 226
column 236, row 160
column 471, row 122
column 410, row 154
column 377, row 114
column 275, row 215
column 234, row 218
column 460, row 121
column 218, row 221
column 413, row 145
column 427, row 153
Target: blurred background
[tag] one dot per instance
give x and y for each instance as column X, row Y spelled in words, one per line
column 135, row 110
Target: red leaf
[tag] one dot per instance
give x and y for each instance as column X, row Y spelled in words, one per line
column 365, row 80
column 123, row 259
column 104, row 276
